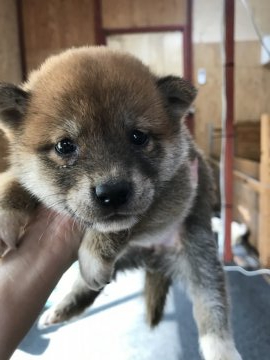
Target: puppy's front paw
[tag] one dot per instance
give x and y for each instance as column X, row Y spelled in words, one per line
column 58, row 314
column 95, row 272
column 215, row 348
column 50, row 317
column 12, row 224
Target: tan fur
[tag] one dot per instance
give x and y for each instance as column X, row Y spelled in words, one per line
column 134, row 179
column 15, row 211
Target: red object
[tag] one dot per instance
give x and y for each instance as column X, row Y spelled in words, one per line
column 229, row 130
column 21, row 39
column 188, row 57
column 100, row 37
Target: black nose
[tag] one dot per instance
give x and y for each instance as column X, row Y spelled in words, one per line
column 113, row 194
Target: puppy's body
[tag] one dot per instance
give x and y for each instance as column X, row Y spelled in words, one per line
column 95, row 135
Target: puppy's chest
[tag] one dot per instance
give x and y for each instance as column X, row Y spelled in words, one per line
column 170, row 237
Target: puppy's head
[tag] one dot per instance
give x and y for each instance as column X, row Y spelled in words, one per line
column 95, row 134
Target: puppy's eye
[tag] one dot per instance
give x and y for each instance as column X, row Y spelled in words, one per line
column 138, row 137
column 65, row 147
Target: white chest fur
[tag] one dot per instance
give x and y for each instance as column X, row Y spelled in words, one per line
column 169, row 237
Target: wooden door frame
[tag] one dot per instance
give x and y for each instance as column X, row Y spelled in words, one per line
column 186, row 29
column 101, row 33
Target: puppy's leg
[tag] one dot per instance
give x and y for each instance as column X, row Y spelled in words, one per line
column 156, row 290
column 16, row 207
column 81, row 296
column 97, row 256
column 73, row 304
column 204, row 277
column 157, row 283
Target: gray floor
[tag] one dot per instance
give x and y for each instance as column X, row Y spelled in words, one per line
column 115, row 329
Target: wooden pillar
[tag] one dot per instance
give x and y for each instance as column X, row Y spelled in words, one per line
column 264, row 202
column 188, row 57
column 228, row 130
column 100, row 38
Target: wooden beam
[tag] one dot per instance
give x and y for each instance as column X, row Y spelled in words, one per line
column 19, row 5
column 228, row 120
column 264, row 204
column 254, row 184
column 143, row 29
column 188, row 57
column 100, row 37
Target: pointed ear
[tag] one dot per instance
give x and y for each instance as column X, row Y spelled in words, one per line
column 178, row 94
column 13, row 102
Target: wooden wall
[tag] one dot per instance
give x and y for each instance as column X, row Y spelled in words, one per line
column 10, row 68
column 252, row 86
column 130, row 13
column 252, row 82
column 161, row 51
column 246, row 209
column 53, row 25
column 208, row 102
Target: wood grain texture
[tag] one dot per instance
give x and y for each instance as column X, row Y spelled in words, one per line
column 246, row 141
column 252, row 86
column 53, row 25
column 208, row 102
column 3, row 152
column 246, row 208
column 162, row 52
column 10, row 67
column 264, row 204
column 130, row 13
column 245, row 200
column 248, row 167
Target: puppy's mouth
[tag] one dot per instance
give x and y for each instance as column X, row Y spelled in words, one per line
column 115, row 223
column 109, row 223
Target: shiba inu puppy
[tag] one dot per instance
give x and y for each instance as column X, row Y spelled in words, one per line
column 95, row 135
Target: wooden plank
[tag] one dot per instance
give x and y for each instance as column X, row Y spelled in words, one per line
column 10, row 67
column 252, row 183
column 140, row 13
column 53, row 25
column 246, row 141
column 264, row 204
column 216, row 143
column 3, row 152
column 247, row 167
column 252, row 81
column 246, row 191
column 246, row 208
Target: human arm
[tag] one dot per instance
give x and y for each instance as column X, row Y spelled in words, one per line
column 29, row 274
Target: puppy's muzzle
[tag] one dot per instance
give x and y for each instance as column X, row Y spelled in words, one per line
column 113, row 194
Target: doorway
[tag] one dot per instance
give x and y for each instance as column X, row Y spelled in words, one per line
column 161, row 51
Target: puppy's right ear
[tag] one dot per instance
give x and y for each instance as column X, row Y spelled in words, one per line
column 178, row 94
column 13, row 102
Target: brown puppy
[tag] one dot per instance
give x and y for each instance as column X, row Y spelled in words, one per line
column 95, row 135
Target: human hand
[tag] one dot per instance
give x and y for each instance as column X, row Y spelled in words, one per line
column 29, row 273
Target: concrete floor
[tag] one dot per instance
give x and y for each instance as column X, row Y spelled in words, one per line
column 114, row 328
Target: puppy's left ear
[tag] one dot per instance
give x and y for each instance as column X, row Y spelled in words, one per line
column 178, row 94
column 13, row 102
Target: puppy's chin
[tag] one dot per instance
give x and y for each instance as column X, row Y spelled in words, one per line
column 115, row 225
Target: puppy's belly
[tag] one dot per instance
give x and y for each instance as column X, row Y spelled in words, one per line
column 169, row 238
